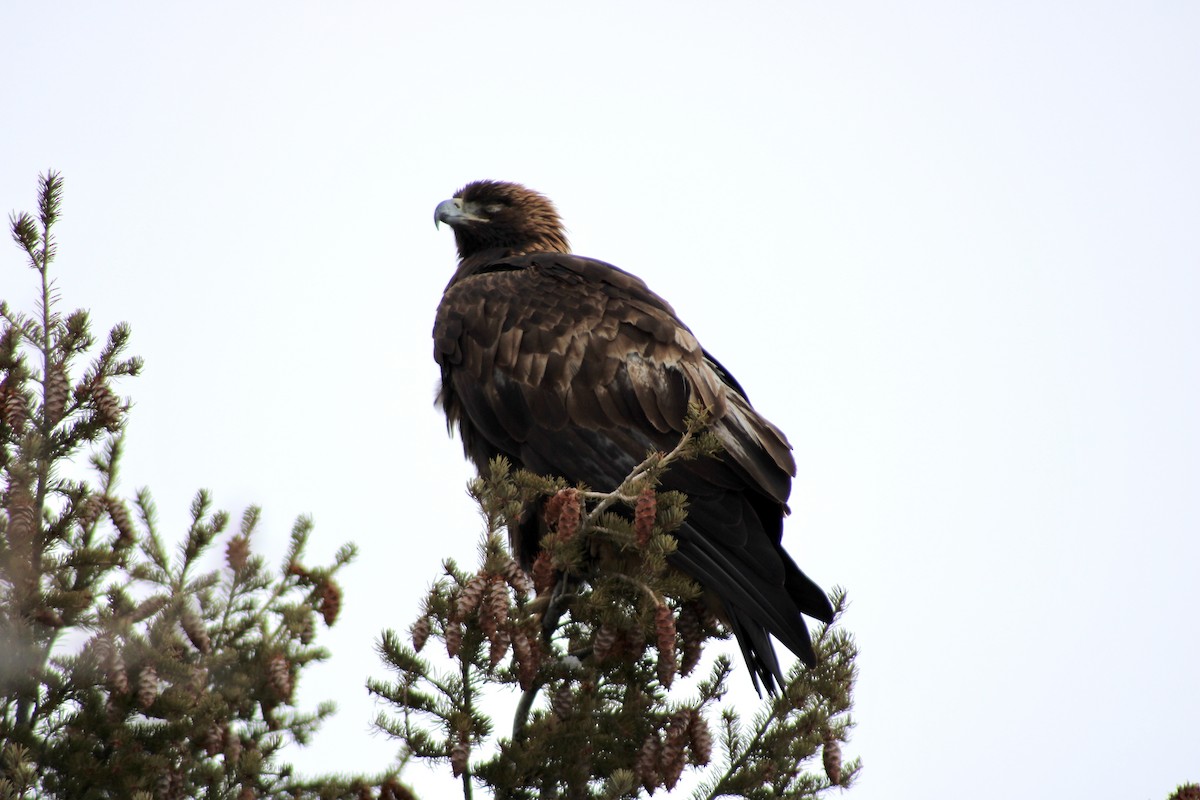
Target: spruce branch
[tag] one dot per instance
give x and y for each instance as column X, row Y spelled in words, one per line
column 183, row 684
column 599, row 708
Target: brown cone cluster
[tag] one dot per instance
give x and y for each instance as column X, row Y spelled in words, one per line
column 420, row 633
column 108, row 407
column 279, row 677
column 662, row 757
column 544, row 573
column 237, row 553
column 57, row 390
column 563, row 702
column 12, row 400
column 674, row 755
column 460, row 751
column 454, row 637
column 664, row 628
column 119, row 514
column 89, row 509
column 527, row 650
column 701, row 737
column 233, row 748
column 500, row 642
column 493, row 612
column 691, row 636
column 643, row 517
column 214, row 738
column 605, row 641
column 562, row 514
column 22, row 521
column 147, row 687
column 392, row 789
column 329, row 601
column 108, row 659
column 485, row 597
column 169, row 785
column 517, row 579
column 831, row 759
column 194, row 627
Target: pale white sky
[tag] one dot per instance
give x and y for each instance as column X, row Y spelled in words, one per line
column 952, row 249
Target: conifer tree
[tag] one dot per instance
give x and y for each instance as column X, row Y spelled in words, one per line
column 126, row 669
column 590, row 648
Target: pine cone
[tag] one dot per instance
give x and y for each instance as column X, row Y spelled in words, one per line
column 392, row 789
column 470, row 596
column 831, row 757
column 57, row 389
column 108, row 407
column 195, row 629
column 499, row 647
column 237, row 552
column 89, row 509
column 420, row 633
column 459, row 753
column 22, row 522
column 111, row 663
column 49, row 617
column 691, row 635
column 563, row 702
column 101, row 651
column 528, row 653
column 497, row 605
column 15, row 409
column 553, row 507
column 454, row 637
column 664, row 626
column 279, row 677
column 197, row 681
column 330, row 602
column 701, row 738
column 568, row 518
column 307, row 630
column 233, row 750
column 643, row 516
column 214, row 739
column 606, row 638
column 544, row 574
column 147, row 687
column 673, row 757
column 517, row 578
column 119, row 514
column 646, row 765
column 148, row 607
column 164, row 786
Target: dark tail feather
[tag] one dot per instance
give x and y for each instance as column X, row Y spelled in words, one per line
column 759, row 652
column 808, row 596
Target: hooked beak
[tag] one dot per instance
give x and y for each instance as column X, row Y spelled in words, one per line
column 452, row 212
column 448, row 211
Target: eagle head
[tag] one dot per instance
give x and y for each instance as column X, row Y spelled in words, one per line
column 497, row 215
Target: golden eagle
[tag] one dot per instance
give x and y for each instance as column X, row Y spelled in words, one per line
column 571, row 367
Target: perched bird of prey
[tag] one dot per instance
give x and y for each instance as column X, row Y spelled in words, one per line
column 571, row 367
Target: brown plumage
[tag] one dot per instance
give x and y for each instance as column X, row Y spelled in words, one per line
column 569, row 366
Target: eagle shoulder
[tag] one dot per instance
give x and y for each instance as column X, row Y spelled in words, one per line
column 583, row 341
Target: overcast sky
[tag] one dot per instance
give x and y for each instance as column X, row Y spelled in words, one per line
column 952, row 249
